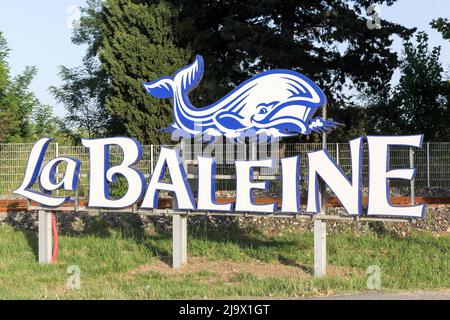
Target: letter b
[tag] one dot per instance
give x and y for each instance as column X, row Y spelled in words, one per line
column 101, row 174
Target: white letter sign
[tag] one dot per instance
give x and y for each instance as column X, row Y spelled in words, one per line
column 101, row 175
column 380, row 174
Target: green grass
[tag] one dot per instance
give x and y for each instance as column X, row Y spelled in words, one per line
column 108, row 260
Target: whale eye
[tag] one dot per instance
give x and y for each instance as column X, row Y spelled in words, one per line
column 263, row 111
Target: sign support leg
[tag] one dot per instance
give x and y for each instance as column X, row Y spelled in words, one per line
column 179, row 240
column 320, row 237
column 45, row 237
column 179, row 228
column 320, row 248
column 320, row 226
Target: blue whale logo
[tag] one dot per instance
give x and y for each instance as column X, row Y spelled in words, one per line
column 277, row 103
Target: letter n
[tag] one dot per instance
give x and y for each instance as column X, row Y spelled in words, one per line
column 349, row 193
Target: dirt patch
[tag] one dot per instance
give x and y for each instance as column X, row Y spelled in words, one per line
column 227, row 269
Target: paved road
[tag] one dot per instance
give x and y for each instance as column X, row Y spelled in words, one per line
column 419, row 295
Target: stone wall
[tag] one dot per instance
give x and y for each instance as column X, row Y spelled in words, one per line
column 437, row 221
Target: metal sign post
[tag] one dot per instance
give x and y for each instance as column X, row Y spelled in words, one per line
column 45, row 237
column 179, row 229
column 411, row 165
column 179, row 240
column 320, row 248
column 320, row 226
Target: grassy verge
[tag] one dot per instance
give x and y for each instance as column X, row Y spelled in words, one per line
column 121, row 265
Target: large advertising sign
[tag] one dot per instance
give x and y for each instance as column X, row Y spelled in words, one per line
column 276, row 104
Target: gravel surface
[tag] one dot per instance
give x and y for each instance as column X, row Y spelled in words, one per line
column 418, row 295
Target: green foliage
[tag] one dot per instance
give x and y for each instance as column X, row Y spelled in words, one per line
column 22, row 116
column 20, row 104
column 85, row 88
column 82, row 93
column 420, row 101
column 45, row 123
column 443, row 26
column 326, row 40
column 138, row 45
column 134, row 42
column 138, row 40
column 4, row 72
column 118, row 189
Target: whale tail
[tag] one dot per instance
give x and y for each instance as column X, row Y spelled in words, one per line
column 184, row 80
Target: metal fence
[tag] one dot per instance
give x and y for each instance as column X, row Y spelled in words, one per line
column 432, row 161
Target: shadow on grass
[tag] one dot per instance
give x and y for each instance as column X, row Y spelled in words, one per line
column 130, row 227
column 16, row 220
column 293, row 263
column 33, row 242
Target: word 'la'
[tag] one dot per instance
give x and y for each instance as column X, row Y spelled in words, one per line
column 169, row 162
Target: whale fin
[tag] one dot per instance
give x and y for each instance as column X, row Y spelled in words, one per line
column 188, row 77
column 161, row 88
column 230, row 121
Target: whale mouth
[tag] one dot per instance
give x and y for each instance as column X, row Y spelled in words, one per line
column 289, row 118
column 286, row 125
column 291, row 128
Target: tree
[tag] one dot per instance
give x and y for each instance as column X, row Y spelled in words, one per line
column 137, row 40
column 4, row 71
column 420, row 101
column 138, row 45
column 82, row 94
column 22, row 117
column 16, row 101
column 326, row 40
column 45, row 123
column 22, row 102
column 133, row 41
column 443, row 26
column 5, row 113
column 85, row 88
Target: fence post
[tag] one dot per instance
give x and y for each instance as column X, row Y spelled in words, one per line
column 428, row 166
column 45, row 236
column 411, row 165
column 337, row 153
column 151, row 159
column 253, row 150
column 77, row 195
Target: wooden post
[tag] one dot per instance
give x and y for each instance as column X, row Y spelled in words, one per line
column 45, row 237
column 320, row 226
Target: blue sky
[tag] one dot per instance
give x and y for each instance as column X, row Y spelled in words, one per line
column 38, row 35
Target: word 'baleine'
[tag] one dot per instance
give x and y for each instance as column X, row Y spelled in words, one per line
column 101, row 175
